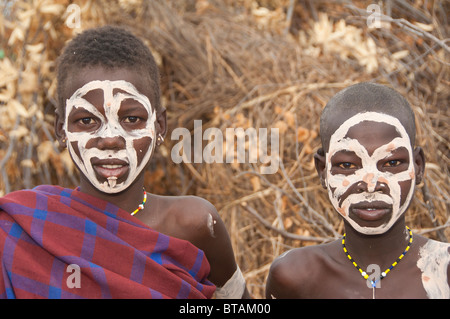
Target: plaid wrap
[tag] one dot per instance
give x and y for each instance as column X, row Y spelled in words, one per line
column 47, row 232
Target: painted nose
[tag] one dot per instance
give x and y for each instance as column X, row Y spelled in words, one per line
column 371, row 180
column 111, row 143
column 372, row 183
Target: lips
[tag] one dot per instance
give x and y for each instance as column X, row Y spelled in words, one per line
column 110, row 167
column 371, row 211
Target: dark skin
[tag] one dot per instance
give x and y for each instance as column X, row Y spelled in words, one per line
column 328, row 274
column 326, row 271
column 185, row 217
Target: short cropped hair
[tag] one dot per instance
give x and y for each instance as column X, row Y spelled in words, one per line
column 109, row 47
column 365, row 97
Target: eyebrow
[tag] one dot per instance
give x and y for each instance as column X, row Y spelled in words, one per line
column 395, row 150
column 347, row 152
column 79, row 109
column 131, row 100
column 344, row 152
column 132, row 108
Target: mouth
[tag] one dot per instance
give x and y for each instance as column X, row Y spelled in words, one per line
column 110, row 168
column 371, row 211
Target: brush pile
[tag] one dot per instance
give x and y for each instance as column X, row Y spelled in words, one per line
column 240, row 64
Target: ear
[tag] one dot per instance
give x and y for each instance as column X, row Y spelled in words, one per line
column 59, row 130
column 419, row 164
column 161, row 123
column 319, row 162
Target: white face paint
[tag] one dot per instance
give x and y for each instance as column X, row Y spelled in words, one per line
column 339, row 186
column 118, row 167
column 433, row 262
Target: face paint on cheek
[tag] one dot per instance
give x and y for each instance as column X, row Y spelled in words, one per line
column 141, row 147
column 118, row 167
column 342, row 189
column 406, row 184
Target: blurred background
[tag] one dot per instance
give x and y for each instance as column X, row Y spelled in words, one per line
column 240, row 64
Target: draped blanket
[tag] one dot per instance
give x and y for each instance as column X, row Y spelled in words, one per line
column 62, row 243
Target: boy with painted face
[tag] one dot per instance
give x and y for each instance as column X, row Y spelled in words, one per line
column 369, row 166
column 125, row 242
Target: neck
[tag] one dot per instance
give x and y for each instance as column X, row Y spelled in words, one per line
column 381, row 249
column 128, row 200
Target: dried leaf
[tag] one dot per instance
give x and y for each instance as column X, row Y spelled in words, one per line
column 19, row 132
column 17, row 35
column 27, row 163
column 424, row 27
column 67, row 161
column 288, row 222
column 282, row 126
column 400, row 54
column 45, row 151
column 302, row 134
column 35, row 48
column 16, row 109
column 290, row 119
column 54, row 9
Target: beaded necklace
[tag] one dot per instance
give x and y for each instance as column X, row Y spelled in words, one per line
column 384, row 273
column 141, row 206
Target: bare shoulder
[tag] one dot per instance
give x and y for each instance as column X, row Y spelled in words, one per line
column 190, row 218
column 194, row 215
column 295, row 272
column 434, row 263
column 432, row 251
column 427, row 243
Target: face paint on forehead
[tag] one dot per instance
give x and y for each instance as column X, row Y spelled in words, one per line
column 339, row 185
column 114, row 93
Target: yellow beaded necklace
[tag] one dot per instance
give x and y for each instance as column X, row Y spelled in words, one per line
column 384, row 273
column 141, row 206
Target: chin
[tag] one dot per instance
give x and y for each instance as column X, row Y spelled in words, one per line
column 370, row 230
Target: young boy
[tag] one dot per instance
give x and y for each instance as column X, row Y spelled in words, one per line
column 370, row 167
column 109, row 238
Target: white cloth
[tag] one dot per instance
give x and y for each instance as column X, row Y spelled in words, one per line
column 233, row 288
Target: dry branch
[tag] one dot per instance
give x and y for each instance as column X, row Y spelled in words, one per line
column 233, row 64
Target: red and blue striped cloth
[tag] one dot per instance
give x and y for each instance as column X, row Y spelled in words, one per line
column 49, row 231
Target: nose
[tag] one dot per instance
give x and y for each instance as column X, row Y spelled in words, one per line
column 372, row 183
column 111, row 143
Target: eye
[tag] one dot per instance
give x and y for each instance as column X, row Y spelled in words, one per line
column 347, row 165
column 87, row 121
column 132, row 119
column 345, row 162
column 392, row 163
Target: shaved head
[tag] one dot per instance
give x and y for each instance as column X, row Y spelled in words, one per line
column 365, row 97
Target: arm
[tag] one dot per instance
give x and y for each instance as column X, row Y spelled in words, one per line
column 225, row 273
column 210, row 235
column 282, row 281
